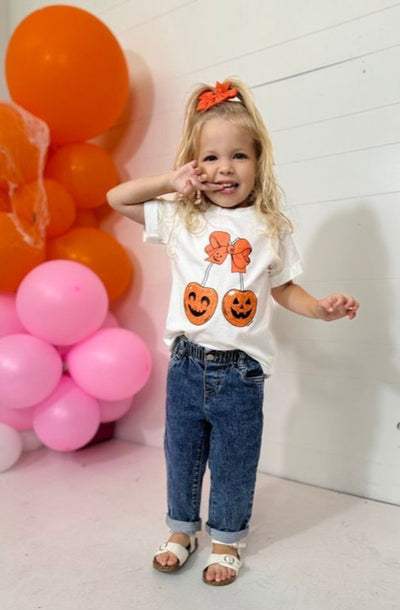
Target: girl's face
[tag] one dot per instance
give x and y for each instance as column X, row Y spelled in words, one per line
column 227, row 155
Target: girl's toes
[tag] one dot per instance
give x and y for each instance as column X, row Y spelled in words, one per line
column 223, row 574
column 218, row 573
column 166, row 559
column 161, row 559
column 211, row 573
column 171, row 560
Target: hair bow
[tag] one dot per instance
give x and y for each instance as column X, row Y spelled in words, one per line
column 220, row 246
column 221, row 93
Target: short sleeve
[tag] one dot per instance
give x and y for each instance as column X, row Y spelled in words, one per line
column 158, row 221
column 151, row 225
column 289, row 265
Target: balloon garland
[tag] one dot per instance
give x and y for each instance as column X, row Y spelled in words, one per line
column 66, row 366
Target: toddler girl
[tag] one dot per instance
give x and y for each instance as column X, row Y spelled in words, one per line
column 231, row 249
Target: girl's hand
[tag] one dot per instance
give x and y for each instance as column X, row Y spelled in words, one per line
column 336, row 306
column 189, row 178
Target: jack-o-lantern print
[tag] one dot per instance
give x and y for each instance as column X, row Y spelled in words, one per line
column 200, row 303
column 239, row 306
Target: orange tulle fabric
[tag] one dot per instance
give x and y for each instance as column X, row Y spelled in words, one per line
column 221, row 93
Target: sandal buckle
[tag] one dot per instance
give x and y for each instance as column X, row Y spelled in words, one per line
column 229, row 559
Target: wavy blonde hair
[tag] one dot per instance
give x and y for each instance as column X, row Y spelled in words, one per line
column 267, row 195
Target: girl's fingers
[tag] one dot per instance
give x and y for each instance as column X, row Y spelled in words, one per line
column 211, row 186
column 188, row 187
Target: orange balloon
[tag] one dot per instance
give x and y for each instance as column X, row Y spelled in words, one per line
column 61, row 210
column 65, row 66
column 103, row 212
column 24, row 141
column 17, row 256
column 5, row 203
column 86, row 218
column 100, row 252
column 86, row 170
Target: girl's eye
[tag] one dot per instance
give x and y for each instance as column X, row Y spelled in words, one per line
column 240, row 155
column 210, row 158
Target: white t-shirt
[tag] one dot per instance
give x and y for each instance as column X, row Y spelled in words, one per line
column 222, row 277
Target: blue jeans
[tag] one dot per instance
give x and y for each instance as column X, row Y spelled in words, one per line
column 214, row 414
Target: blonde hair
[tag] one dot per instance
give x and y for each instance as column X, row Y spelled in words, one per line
column 266, row 195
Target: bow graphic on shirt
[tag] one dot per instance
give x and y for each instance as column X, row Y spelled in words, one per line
column 220, row 247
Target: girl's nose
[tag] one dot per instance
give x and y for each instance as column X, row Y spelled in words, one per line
column 225, row 167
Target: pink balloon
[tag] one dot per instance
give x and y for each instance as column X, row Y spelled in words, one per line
column 112, row 364
column 110, row 321
column 30, row 369
column 19, row 419
column 10, row 324
column 68, row 418
column 62, row 301
column 112, row 410
column 63, row 350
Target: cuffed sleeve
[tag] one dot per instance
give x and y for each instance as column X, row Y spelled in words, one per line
column 289, row 264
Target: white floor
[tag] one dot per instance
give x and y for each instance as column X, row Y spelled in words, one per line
column 78, row 530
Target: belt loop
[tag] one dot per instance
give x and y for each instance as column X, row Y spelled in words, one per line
column 178, row 346
column 182, row 345
column 241, row 359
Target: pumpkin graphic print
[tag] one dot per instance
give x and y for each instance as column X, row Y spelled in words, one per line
column 239, row 305
column 200, row 303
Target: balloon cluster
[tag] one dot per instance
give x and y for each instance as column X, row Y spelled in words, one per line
column 65, row 364
column 69, row 82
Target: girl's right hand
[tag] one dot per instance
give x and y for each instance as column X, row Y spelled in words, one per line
column 190, row 178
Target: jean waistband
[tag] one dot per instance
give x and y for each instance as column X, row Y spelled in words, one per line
column 183, row 346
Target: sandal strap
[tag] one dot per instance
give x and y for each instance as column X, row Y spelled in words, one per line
column 226, row 560
column 235, row 545
column 181, row 552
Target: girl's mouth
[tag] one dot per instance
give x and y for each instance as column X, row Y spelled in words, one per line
column 228, row 187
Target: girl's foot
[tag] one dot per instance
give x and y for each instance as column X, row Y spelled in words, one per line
column 168, row 558
column 216, row 572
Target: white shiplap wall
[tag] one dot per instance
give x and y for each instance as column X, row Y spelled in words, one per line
column 324, row 74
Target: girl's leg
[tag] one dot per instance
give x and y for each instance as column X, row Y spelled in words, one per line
column 235, row 412
column 186, row 449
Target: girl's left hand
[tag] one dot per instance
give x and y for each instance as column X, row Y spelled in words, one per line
column 189, row 178
column 337, row 306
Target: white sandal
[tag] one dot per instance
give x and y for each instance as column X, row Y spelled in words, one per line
column 180, row 551
column 227, row 561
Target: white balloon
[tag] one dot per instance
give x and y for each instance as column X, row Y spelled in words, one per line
column 10, row 446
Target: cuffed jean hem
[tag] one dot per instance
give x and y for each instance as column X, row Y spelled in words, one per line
column 227, row 537
column 183, row 527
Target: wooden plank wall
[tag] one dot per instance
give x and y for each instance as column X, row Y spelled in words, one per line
column 324, row 74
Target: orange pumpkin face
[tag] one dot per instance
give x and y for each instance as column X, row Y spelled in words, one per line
column 239, row 307
column 200, row 303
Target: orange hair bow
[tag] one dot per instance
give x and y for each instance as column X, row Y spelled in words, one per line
column 221, row 93
column 220, row 247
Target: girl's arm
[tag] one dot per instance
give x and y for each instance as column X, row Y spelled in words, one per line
column 128, row 198
column 294, row 298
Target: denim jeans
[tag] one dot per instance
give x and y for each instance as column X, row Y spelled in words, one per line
column 214, row 414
